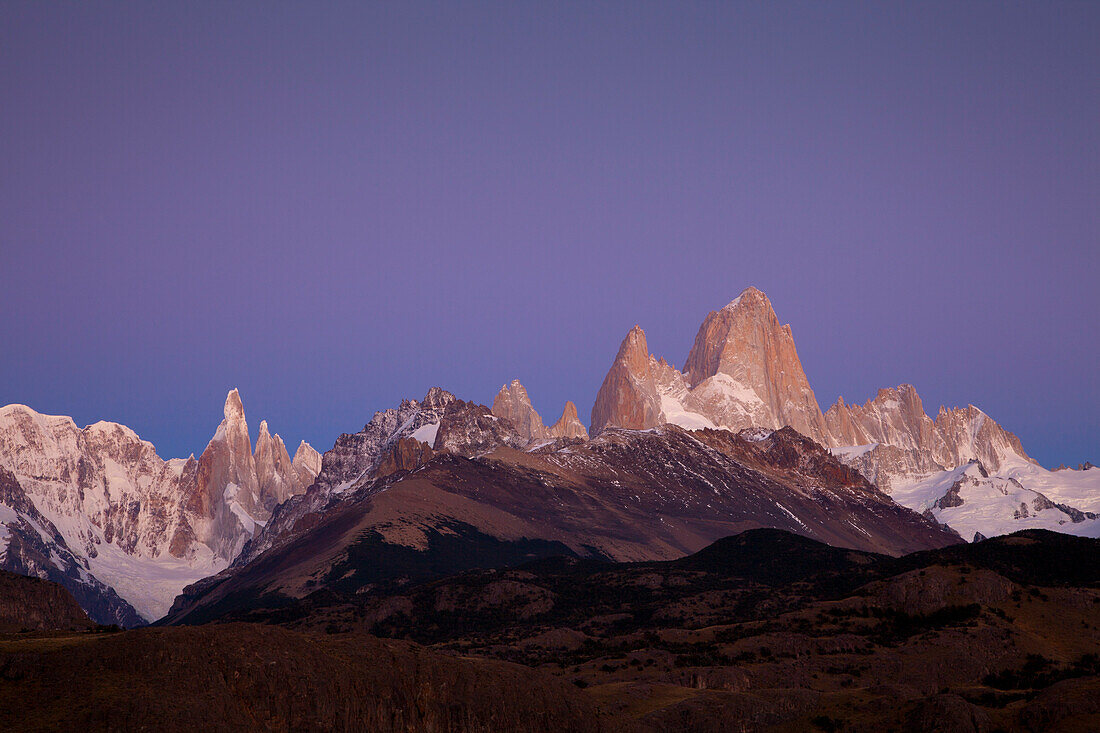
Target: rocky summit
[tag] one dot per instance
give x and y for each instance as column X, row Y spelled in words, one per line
column 742, row 371
column 569, row 425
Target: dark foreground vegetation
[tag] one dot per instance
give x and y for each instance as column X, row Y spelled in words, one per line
column 762, row 631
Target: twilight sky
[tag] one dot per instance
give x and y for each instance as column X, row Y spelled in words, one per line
column 333, row 206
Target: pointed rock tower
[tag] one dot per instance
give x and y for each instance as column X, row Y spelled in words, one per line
column 307, row 464
column 513, row 404
column 238, row 489
column 569, row 425
column 628, row 396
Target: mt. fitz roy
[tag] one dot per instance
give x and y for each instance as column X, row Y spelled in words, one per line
column 743, row 371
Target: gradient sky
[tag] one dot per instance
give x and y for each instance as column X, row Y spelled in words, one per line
column 333, row 206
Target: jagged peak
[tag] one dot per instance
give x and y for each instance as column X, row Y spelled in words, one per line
column 885, row 393
column 304, row 448
column 970, row 412
column 753, row 304
column 907, row 391
column 633, row 343
column 263, row 429
column 234, row 408
column 437, row 397
column 903, row 393
column 569, row 424
column 748, row 296
column 514, row 403
column 515, row 387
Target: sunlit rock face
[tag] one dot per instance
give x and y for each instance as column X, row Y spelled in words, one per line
column 628, row 397
column 513, row 403
column 742, row 371
column 962, row 469
column 569, row 425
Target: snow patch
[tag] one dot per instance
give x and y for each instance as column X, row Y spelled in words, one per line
column 851, row 452
column 7, row 514
column 675, row 413
column 426, row 433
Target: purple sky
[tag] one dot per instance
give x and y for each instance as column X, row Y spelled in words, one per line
column 335, row 206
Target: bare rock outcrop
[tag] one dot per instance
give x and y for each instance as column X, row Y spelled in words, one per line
column 744, row 370
column 569, row 425
column 628, row 396
column 513, row 403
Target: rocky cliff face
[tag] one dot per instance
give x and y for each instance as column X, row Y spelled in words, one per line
column 142, row 525
column 962, row 468
column 742, row 371
column 628, row 397
column 354, row 455
column 306, row 463
column 469, row 429
column 896, row 417
column 387, row 444
column 569, row 425
column 892, row 440
column 275, row 475
column 513, row 403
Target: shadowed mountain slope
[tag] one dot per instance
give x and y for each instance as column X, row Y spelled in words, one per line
column 627, row 495
column 37, row 605
column 245, row 677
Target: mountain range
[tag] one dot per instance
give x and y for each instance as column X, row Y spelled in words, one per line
column 672, row 460
column 98, row 510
